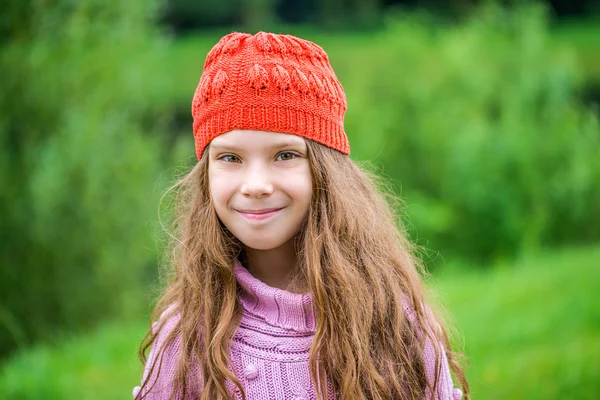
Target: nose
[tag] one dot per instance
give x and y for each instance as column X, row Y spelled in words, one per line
column 257, row 183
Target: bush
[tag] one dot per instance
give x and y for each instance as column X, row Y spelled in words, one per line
column 481, row 127
column 79, row 158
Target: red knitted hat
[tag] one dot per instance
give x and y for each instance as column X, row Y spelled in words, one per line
column 269, row 82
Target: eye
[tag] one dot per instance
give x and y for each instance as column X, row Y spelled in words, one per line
column 230, row 158
column 286, row 155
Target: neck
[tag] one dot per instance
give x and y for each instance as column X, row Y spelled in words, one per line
column 277, row 267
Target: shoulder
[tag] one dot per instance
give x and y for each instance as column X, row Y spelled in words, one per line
column 161, row 365
column 167, row 323
column 167, row 342
column 431, row 325
column 435, row 360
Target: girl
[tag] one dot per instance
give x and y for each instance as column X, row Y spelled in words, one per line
column 290, row 278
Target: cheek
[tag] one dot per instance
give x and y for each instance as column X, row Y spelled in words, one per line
column 307, row 191
column 221, row 189
column 300, row 187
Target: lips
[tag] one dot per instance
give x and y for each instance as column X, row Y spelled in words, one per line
column 259, row 215
column 262, row 211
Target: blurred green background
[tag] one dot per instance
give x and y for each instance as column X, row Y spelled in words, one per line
column 485, row 115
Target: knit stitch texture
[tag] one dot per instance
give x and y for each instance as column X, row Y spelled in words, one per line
column 269, row 82
column 270, row 350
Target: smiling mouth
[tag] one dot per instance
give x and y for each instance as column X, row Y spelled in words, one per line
column 259, row 215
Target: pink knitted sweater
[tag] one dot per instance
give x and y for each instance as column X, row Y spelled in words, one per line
column 270, row 349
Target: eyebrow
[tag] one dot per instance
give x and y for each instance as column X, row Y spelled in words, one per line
column 236, row 148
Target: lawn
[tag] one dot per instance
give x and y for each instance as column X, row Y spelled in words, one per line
column 531, row 331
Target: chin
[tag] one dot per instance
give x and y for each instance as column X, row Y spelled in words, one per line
column 262, row 243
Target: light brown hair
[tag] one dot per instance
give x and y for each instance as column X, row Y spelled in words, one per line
column 356, row 260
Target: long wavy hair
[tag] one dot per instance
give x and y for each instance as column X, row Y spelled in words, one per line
column 354, row 257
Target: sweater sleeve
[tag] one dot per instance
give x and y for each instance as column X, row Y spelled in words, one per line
column 160, row 375
column 445, row 389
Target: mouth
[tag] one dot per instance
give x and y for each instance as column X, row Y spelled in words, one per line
column 259, row 215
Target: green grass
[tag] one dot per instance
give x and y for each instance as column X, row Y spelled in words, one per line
column 531, row 331
column 103, row 365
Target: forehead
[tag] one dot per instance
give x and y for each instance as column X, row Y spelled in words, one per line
column 252, row 140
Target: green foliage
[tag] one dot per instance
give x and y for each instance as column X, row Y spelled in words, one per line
column 529, row 328
column 582, row 35
column 481, row 127
column 79, row 158
column 251, row 15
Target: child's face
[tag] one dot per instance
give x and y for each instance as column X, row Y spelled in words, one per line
column 260, row 184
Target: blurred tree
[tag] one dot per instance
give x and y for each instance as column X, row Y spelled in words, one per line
column 79, row 157
column 349, row 13
column 577, row 8
column 184, row 15
column 560, row 8
column 249, row 15
column 254, row 15
column 482, row 126
column 257, row 15
column 294, row 11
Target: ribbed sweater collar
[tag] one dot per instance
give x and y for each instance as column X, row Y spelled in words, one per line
column 277, row 307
